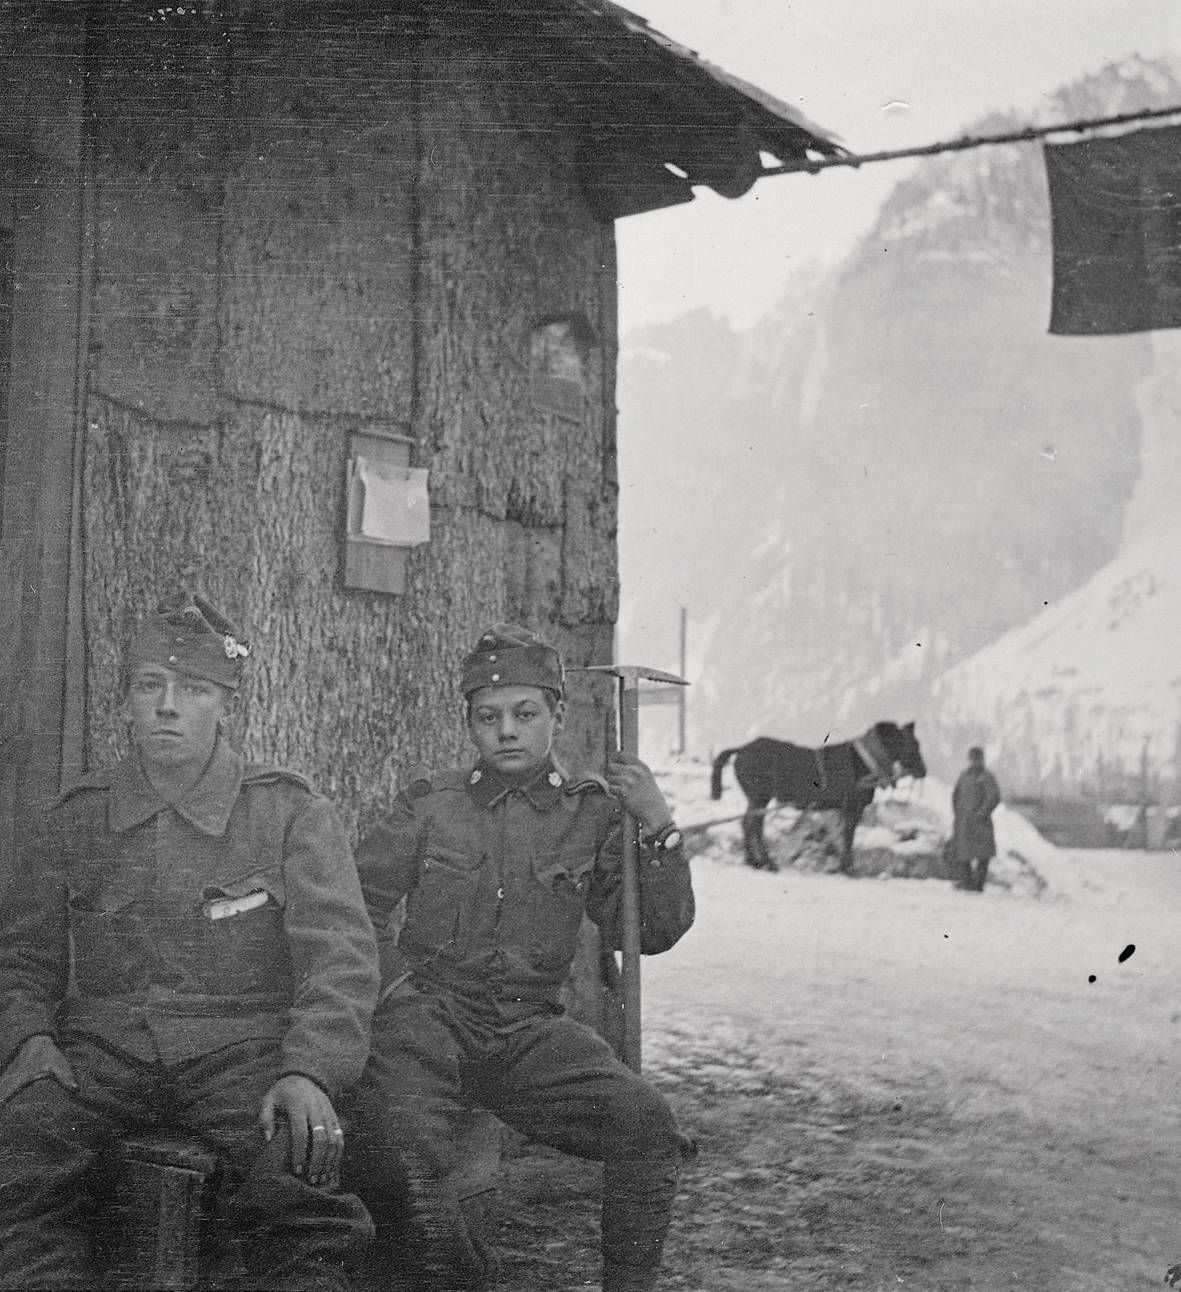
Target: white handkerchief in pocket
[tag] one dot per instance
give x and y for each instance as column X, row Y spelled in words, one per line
column 223, row 907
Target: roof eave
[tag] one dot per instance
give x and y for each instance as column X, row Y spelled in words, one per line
column 675, row 121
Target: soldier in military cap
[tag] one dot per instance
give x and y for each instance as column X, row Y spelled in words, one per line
column 224, row 974
column 499, row 861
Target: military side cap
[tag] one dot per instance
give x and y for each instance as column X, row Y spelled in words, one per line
column 507, row 655
column 187, row 635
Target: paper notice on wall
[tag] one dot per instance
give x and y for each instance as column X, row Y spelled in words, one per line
column 391, row 503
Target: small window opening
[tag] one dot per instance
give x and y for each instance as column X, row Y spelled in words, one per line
column 559, row 353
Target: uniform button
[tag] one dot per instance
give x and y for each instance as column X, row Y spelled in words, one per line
column 496, row 677
column 500, row 894
column 491, row 659
column 172, row 659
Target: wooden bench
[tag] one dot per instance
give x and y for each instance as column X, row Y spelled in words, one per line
column 161, row 1189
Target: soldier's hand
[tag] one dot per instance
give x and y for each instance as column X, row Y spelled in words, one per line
column 633, row 784
column 317, row 1141
column 37, row 1058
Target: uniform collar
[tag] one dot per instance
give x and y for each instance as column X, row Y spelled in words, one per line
column 543, row 789
column 207, row 806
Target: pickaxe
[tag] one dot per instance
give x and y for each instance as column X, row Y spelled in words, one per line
column 630, row 676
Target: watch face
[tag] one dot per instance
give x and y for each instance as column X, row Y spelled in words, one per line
column 671, row 840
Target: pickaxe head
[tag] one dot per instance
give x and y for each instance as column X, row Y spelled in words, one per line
column 631, row 675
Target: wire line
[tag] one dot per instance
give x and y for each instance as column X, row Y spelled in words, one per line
column 812, row 165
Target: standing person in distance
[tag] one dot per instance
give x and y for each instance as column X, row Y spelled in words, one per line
column 975, row 797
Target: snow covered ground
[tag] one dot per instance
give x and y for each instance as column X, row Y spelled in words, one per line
column 899, row 1084
column 930, row 1088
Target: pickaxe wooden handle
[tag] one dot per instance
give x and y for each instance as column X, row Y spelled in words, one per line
column 629, row 677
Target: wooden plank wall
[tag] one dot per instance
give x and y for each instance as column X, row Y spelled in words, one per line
column 42, row 204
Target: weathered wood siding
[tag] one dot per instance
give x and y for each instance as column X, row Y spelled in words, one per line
column 298, row 235
column 42, row 224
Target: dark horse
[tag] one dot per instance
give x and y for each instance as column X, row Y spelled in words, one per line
column 842, row 777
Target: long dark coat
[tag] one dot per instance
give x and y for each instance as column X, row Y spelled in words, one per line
column 973, row 801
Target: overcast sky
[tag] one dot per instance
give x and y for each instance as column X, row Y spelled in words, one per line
column 880, row 74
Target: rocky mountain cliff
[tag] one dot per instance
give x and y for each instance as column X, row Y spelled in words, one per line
column 896, row 468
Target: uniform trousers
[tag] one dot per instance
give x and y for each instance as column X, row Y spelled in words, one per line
column 548, row 1077
column 294, row 1237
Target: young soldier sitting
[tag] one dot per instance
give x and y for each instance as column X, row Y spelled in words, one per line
column 499, row 862
column 224, row 976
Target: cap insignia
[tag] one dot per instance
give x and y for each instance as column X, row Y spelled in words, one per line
column 234, row 648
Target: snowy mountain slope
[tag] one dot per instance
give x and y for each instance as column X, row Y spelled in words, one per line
column 1075, row 699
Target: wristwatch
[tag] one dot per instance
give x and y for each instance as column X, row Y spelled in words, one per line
column 665, row 839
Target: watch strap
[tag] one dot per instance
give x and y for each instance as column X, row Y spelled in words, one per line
column 659, row 841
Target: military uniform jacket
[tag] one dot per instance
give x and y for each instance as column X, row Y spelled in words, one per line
column 235, row 914
column 498, row 876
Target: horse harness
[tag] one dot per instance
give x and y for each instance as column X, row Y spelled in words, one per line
column 877, row 758
column 873, row 754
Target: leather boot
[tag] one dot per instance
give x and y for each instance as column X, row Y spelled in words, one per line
column 637, row 1208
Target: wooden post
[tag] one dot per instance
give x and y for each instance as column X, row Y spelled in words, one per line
column 1144, row 797
column 682, row 698
column 629, row 743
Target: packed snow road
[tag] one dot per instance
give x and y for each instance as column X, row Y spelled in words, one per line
column 897, row 1084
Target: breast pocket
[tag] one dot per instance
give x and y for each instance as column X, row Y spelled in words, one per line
column 440, row 906
column 106, row 934
column 560, row 885
column 244, row 942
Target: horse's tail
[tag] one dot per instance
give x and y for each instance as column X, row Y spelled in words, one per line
column 715, row 783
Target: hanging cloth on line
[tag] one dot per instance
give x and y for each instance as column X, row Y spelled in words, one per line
column 1115, row 207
